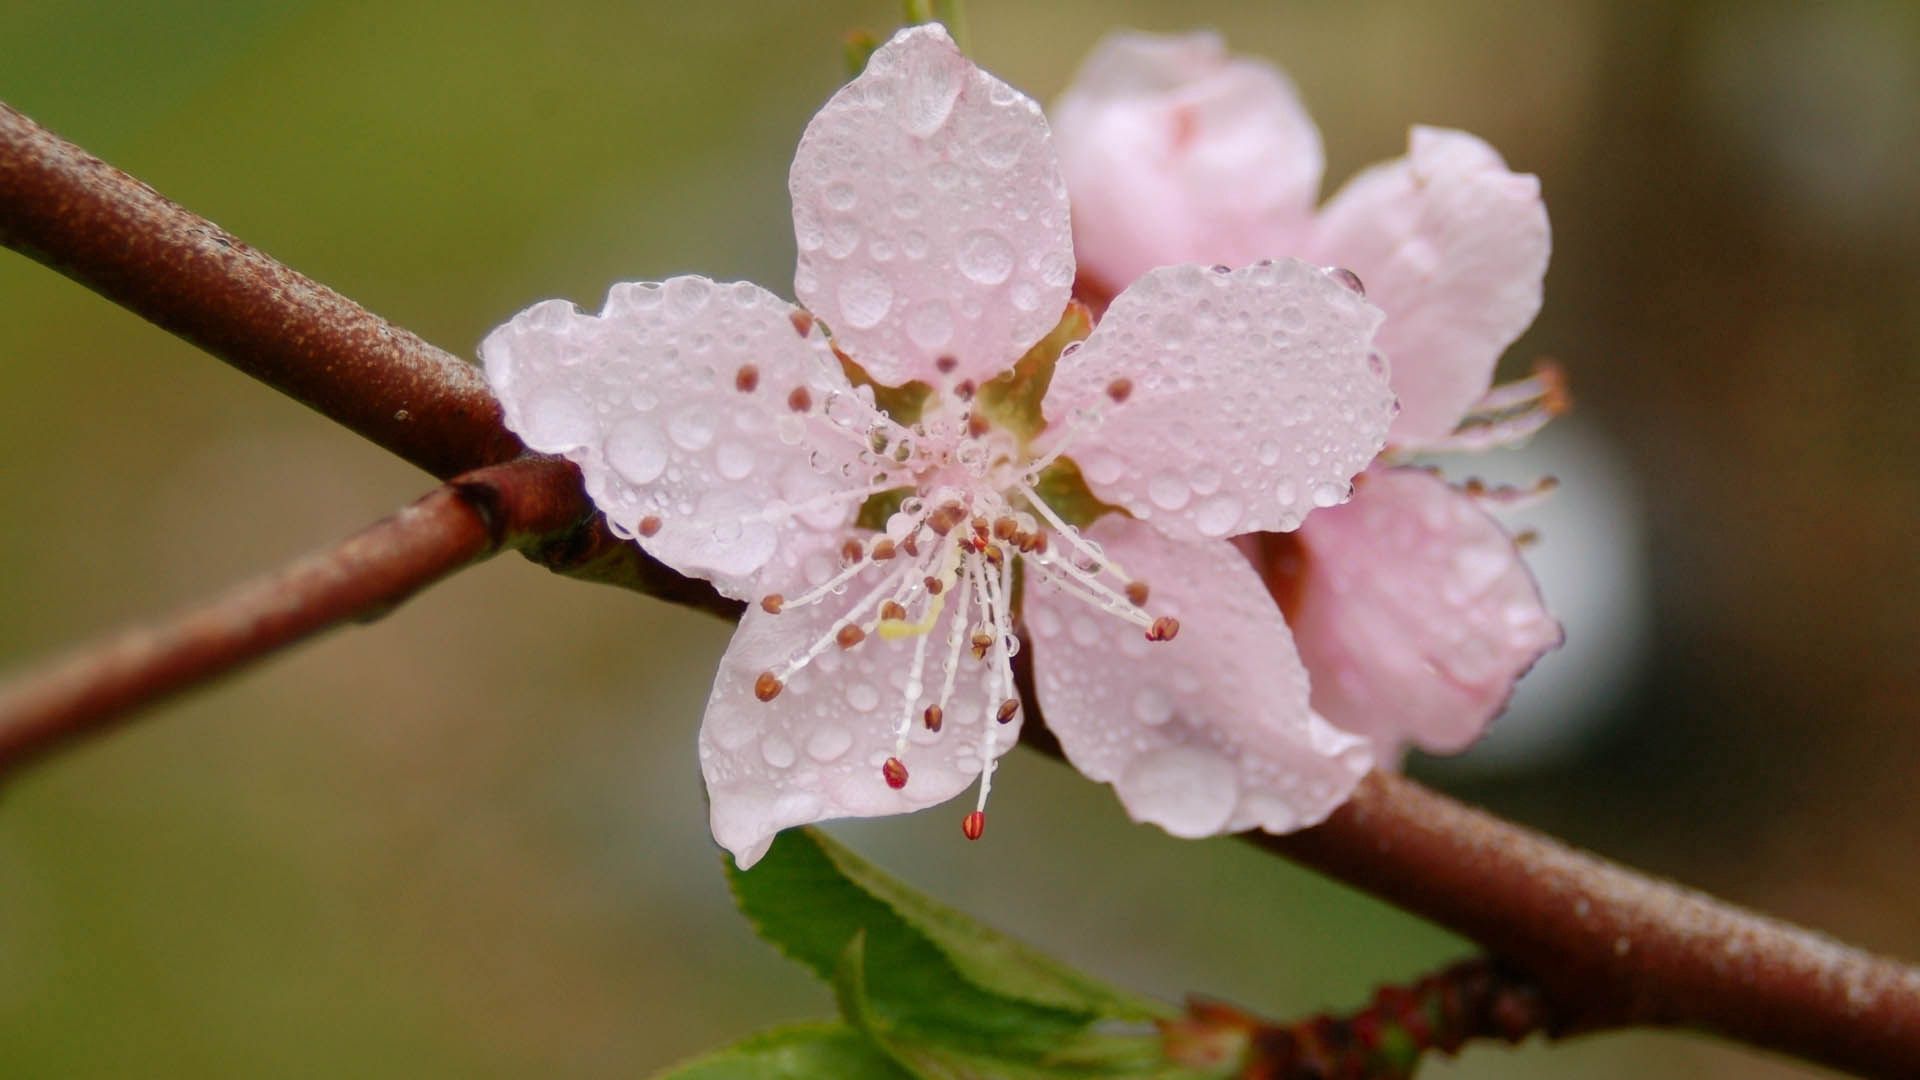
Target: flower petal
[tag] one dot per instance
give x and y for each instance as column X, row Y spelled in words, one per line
column 815, row 751
column 930, row 215
column 1415, row 613
column 1175, row 153
column 1453, row 247
column 1249, row 398
column 1204, row 734
column 676, row 402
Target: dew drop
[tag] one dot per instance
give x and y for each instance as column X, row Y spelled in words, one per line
column 985, row 257
column 1218, row 516
column 777, row 750
column 636, row 451
column 734, row 461
column 829, row 744
column 558, row 419
column 691, row 428
column 865, row 298
column 1168, row 491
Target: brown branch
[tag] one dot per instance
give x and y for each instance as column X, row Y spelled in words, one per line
column 1608, row 946
column 469, row 518
column 1611, row 947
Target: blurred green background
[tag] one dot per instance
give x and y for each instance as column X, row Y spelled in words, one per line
column 470, row 840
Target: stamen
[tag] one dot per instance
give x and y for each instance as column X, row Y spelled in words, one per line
column 894, row 772
column 767, row 686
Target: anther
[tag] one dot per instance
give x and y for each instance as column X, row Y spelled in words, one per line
column 946, row 364
column 1120, row 389
column 1137, row 593
column 747, row 379
column 893, row 611
column 1164, row 628
column 649, row 525
column 974, row 824
column 894, row 772
column 800, row 400
column 981, row 642
column 802, row 321
column 933, row 717
column 851, row 635
column 767, row 686
column 851, row 552
column 935, row 586
column 1008, row 709
column 772, row 603
column 882, row 549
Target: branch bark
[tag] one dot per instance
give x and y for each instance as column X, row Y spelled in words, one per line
column 1608, row 946
column 470, row 518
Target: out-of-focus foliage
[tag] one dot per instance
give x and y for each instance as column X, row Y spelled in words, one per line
column 468, row 840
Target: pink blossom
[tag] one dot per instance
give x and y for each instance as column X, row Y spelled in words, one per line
column 724, row 429
column 1410, row 604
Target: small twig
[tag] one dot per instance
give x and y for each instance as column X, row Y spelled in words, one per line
column 1472, row 1000
column 472, row 517
column 1608, row 946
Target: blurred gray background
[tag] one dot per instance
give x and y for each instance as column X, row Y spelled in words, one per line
column 470, row 840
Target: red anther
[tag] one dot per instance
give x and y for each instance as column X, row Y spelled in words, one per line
column 849, row 636
column 649, row 525
column 946, row 364
column 895, row 773
column 1164, row 628
column 1008, row 710
column 882, row 549
column 935, row 586
column 1120, row 389
column 802, row 321
column 747, row 379
column 767, row 687
column 933, row 717
column 1137, row 593
column 851, row 552
column 974, row 824
column 772, row 603
column 892, row 610
column 981, row 643
column 800, row 400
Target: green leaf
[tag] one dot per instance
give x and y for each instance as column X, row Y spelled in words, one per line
column 1012, row 399
column 808, row 1052
column 930, row 974
column 987, row 958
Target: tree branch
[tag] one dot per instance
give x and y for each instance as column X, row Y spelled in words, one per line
column 467, row 519
column 1608, row 946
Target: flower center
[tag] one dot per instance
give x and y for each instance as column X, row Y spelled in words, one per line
column 968, row 526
